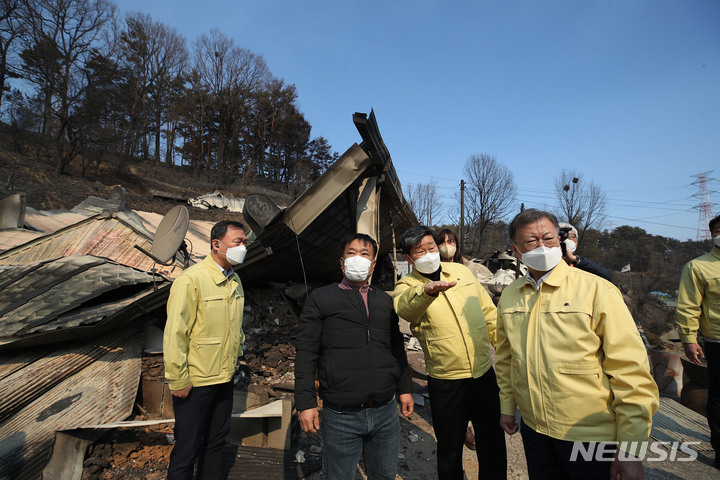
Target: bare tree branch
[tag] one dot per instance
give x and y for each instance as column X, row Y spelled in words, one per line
column 490, row 196
column 425, row 202
column 582, row 203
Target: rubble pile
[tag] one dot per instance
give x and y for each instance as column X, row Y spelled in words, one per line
column 269, row 323
column 131, row 454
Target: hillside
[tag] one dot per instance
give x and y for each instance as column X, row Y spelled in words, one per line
column 27, row 165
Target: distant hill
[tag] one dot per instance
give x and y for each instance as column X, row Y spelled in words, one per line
column 27, row 165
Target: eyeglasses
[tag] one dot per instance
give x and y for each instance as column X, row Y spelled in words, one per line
column 534, row 243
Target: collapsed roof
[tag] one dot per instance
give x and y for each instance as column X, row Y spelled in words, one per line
column 359, row 193
column 61, row 299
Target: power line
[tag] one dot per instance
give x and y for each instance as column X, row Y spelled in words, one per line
column 653, row 223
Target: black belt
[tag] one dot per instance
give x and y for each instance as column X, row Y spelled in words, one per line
column 368, row 404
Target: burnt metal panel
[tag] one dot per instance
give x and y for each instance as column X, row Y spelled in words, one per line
column 95, row 390
column 72, row 297
column 103, row 235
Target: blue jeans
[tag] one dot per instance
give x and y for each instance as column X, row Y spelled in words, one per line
column 348, row 431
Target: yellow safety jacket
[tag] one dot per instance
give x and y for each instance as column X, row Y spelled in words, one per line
column 203, row 333
column 698, row 303
column 569, row 355
column 455, row 327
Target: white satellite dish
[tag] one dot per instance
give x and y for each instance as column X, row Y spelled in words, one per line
column 169, row 238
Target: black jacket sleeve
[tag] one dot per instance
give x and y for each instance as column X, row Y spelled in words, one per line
column 307, row 352
column 592, row 267
column 397, row 344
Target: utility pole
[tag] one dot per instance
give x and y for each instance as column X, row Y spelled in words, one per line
column 462, row 214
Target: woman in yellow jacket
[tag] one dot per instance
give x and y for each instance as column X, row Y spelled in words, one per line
column 453, row 318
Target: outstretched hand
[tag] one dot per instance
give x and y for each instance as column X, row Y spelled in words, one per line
column 435, row 287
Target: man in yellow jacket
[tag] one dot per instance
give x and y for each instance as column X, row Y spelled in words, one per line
column 201, row 345
column 698, row 307
column 453, row 318
column 570, row 357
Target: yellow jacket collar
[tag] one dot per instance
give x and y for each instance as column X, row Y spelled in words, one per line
column 557, row 275
column 215, row 271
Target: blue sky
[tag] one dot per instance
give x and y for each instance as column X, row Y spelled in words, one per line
column 625, row 91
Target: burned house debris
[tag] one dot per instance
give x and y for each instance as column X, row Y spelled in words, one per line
column 77, row 293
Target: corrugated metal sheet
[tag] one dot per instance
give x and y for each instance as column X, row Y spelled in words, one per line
column 674, row 422
column 12, row 237
column 101, row 235
column 93, row 387
column 69, row 292
column 251, row 463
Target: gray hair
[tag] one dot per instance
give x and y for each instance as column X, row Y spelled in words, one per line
column 531, row 215
column 412, row 236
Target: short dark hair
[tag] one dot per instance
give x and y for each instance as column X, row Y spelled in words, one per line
column 531, row 215
column 412, row 236
column 714, row 222
column 445, row 233
column 351, row 237
column 220, row 229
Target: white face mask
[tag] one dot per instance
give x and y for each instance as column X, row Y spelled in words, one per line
column 716, row 241
column 428, row 263
column 542, row 259
column 357, row 268
column 234, row 255
column 570, row 245
column 447, row 251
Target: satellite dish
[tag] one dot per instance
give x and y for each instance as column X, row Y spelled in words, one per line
column 170, row 237
column 259, row 212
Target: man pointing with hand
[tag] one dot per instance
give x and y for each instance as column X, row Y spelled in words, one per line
column 453, row 318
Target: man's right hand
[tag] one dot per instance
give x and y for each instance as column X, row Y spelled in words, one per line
column 507, row 422
column 694, row 352
column 309, row 420
column 435, row 287
column 182, row 393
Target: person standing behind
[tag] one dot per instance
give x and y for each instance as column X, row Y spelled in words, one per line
column 698, row 307
column 582, row 263
column 202, row 341
column 453, row 318
column 449, row 248
column 570, row 356
column 349, row 339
